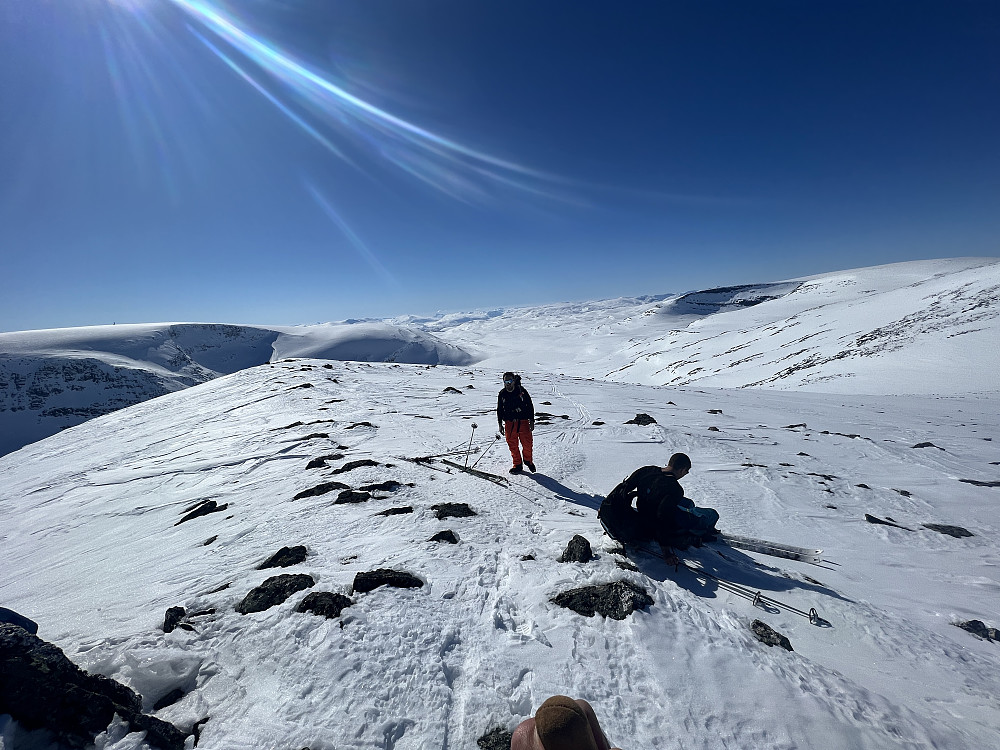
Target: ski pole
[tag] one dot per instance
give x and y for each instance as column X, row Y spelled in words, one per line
column 495, row 438
column 467, row 450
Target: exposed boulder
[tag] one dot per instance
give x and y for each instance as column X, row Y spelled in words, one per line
column 641, row 419
column 321, row 489
column 9, row 615
column 956, row 531
column 364, row 582
column 352, row 496
column 928, row 445
column 320, row 461
column 396, row 511
column 351, row 465
column 978, row 483
column 324, row 603
column 202, row 509
column 388, row 486
column 284, row 557
column 169, row 699
column 273, row 592
column 452, row 510
column 452, row 389
column 615, row 600
column 978, row 628
column 172, row 619
column 42, row 689
column 497, row 738
column 768, row 636
column 578, row 550
column 447, row 535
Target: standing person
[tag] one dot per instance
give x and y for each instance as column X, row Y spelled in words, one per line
column 561, row 723
column 516, row 418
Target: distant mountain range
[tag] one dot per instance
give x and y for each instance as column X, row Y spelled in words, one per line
column 916, row 327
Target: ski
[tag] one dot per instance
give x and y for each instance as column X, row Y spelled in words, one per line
column 774, row 549
column 495, row 478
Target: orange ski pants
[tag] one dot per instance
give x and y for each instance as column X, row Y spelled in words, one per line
column 518, row 430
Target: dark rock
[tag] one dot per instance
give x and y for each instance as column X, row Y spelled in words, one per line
column 956, row 531
column 304, row 385
column 321, row 489
column 196, row 729
column 626, row 565
column 396, row 511
column 928, row 445
column 578, row 550
column 715, row 411
column 904, row 493
column 884, row 522
column 452, row 510
column 793, row 426
column 978, row 628
column 978, row 483
column 320, row 461
column 315, row 436
column 616, row 600
column 209, row 506
column 768, row 636
column 832, row 507
column 352, row 496
column 290, row 426
column 800, row 453
column 641, row 419
column 497, row 738
column 450, row 389
column 209, row 541
column 598, row 423
column 447, row 535
column 389, row 486
column 42, row 689
column 169, row 699
column 273, row 592
column 351, row 465
column 368, row 581
column 172, row 619
column 284, row 557
column 324, row 603
column 713, row 429
column 13, row 618
column 863, row 486
column 359, row 424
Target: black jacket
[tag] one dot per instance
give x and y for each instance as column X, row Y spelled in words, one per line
column 512, row 406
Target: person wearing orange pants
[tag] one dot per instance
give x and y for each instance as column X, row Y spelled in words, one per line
column 516, row 420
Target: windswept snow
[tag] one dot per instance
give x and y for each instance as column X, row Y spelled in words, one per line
column 92, row 551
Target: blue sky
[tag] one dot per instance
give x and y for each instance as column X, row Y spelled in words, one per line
column 297, row 161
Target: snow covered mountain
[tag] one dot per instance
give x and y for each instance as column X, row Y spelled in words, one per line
column 179, row 501
column 51, row 380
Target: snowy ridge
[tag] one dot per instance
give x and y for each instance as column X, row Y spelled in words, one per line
column 94, row 553
column 51, row 380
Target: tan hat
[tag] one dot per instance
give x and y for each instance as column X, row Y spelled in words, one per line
column 562, row 725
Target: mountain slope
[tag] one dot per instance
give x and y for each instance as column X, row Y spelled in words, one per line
column 93, row 550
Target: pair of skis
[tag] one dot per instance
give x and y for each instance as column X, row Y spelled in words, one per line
column 774, row 549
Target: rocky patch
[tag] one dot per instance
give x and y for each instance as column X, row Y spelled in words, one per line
column 201, row 509
column 389, row 486
column 43, row 689
column 578, row 550
column 615, row 600
column 497, row 738
column 768, row 636
column 284, row 558
column 956, row 531
column 452, row 510
column 978, row 628
column 887, row 521
column 321, row 489
column 396, row 511
column 641, row 419
column 364, row 582
column 351, row 465
column 928, row 445
column 274, row 591
column 325, row 604
column 352, row 496
column 320, row 461
column 447, row 535
column 978, row 483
